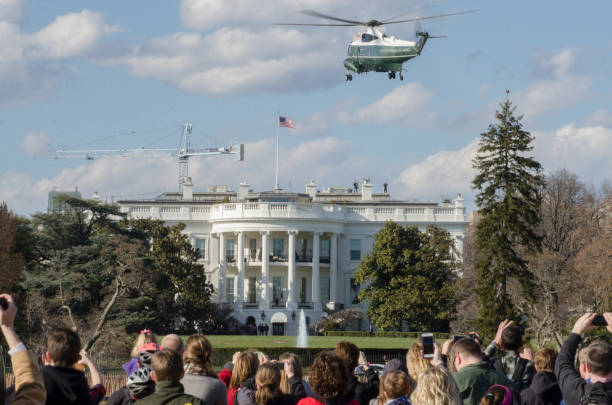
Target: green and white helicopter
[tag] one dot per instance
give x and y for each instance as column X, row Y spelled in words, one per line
column 374, row 51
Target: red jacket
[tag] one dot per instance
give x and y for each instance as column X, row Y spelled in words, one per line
column 231, row 394
column 225, row 375
column 337, row 401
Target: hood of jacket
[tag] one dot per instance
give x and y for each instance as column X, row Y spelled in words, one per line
column 65, row 385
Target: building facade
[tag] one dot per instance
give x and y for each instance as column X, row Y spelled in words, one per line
column 271, row 254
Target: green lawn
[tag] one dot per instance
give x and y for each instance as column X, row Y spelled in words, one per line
column 318, row 342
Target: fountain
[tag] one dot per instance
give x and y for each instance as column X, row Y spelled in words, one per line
column 302, row 340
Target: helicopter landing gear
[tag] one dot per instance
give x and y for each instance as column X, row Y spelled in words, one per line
column 391, row 75
column 401, row 76
column 349, row 77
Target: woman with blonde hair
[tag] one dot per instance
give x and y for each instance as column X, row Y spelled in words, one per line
column 266, row 390
column 245, row 367
column 292, row 376
column 415, row 362
column 436, row 387
column 200, row 380
column 145, row 336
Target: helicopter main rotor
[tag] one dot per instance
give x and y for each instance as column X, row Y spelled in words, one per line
column 372, row 23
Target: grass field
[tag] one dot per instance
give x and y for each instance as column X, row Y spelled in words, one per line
column 317, row 342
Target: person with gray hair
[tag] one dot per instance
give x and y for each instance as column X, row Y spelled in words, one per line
column 173, row 342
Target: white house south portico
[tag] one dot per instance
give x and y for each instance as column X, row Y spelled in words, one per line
column 269, row 254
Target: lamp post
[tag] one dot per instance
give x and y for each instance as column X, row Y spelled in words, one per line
column 293, row 315
column 263, row 315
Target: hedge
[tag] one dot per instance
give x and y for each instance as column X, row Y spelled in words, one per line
column 360, row 333
column 307, row 355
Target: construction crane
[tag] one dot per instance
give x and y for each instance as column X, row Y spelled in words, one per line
column 184, row 152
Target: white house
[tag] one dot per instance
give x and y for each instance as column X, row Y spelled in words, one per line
column 270, row 254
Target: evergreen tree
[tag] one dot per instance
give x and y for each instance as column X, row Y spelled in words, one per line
column 408, row 278
column 508, row 185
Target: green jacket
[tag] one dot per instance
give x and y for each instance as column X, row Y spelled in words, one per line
column 169, row 393
column 475, row 379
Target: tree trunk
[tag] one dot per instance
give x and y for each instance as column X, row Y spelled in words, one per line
column 104, row 315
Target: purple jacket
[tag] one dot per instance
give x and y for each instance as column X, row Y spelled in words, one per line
column 130, row 366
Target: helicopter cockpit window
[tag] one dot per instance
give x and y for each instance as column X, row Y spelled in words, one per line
column 368, row 37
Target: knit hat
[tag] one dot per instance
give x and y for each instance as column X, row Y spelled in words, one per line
column 394, row 364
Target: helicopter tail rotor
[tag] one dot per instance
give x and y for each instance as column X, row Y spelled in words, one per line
column 419, row 28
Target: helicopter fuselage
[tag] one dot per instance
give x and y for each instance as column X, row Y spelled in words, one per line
column 373, row 51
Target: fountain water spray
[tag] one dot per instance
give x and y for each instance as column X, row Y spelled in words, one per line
column 302, row 340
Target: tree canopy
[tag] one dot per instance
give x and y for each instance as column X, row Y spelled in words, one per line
column 408, row 278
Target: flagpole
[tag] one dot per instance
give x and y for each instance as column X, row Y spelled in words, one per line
column 276, row 186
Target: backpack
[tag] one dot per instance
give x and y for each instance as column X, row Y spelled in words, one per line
column 594, row 394
column 519, row 370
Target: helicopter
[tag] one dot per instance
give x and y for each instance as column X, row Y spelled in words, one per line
column 374, row 51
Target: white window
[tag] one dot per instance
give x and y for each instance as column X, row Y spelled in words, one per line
column 200, row 245
column 355, row 249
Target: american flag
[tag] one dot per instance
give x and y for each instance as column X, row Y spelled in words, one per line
column 285, row 122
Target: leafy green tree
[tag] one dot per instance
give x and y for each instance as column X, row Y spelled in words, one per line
column 11, row 261
column 175, row 257
column 408, row 278
column 508, row 183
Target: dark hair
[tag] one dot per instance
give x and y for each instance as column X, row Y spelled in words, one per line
column 329, row 375
column 167, row 365
column 512, row 338
column 599, row 359
column 494, row 396
column 349, row 352
column 64, row 346
column 467, row 346
column 198, row 352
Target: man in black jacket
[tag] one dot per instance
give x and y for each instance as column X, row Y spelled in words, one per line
column 598, row 366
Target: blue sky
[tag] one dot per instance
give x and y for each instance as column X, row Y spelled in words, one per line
column 127, row 74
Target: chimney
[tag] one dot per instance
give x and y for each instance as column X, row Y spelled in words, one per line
column 311, row 189
column 366, row 191
column 459, row 201
column 243, row 190
column 188, row 189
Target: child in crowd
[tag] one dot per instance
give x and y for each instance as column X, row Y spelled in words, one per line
column 145, row 336
column 396, row 388
column 64, row 384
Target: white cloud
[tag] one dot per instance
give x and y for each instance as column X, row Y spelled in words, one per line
column 207, row 14
column 36, row 144
column 558, row 64
column 12, row 11
column 324, row 159
column 230, row 61
column 409, row 104
column 32, row 63
column 600, row 117
column 447, row 171
column 555, row 87
column 582, row 150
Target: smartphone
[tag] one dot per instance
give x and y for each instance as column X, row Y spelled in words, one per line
column 599, row 320
column 428, row 345
column 457, row 337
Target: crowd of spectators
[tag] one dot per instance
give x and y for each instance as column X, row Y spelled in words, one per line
column 458, row 372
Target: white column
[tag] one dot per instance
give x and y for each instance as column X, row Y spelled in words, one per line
column 291, row 302
column 222, row 268
column 265, row 270
column 240, row 266
column 316, row 284
column 333, row 269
